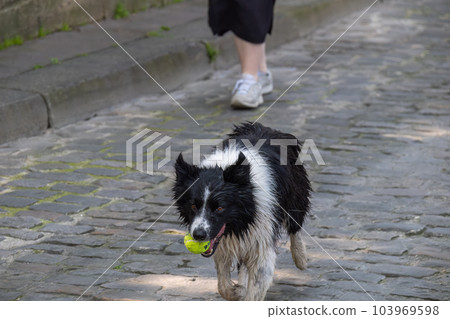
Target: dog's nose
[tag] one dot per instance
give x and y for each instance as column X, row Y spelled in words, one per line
column 199, row 234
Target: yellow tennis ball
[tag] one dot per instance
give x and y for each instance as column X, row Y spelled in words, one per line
column 195, row 247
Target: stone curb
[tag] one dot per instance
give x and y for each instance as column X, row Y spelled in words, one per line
column 75, row 90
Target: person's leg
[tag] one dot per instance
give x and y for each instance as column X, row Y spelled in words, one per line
column 262, row 62
column 253, row 61
column 252, row 56
column 264, row 75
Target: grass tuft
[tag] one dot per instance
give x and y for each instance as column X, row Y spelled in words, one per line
column 42, row 32
column 152, row 34
column 9, row 42
column 211, row 51
column 120, row 11
column 65, row 27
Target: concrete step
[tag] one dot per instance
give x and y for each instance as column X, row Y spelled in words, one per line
column 81, row 85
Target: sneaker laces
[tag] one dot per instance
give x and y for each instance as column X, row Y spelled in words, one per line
column 243, row 85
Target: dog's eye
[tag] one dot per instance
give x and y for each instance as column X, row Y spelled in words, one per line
column 219, row 209
column 194, row 207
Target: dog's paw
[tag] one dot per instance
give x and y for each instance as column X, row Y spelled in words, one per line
column 234, row 292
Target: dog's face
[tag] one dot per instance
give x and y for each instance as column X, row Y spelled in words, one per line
column 214, row 202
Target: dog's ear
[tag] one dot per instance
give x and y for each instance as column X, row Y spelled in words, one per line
column 238, row 173
column 183, row 169
column 241, row 159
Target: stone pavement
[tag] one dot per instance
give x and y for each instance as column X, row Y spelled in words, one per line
column 377, row 107
column 66, row 77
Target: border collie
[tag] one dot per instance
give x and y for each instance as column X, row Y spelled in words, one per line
column 241, row 197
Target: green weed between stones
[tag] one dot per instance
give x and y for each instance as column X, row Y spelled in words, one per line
column 211, row 51
column 65, row 27
column 422, row 11
column 17, row 40
column 328, row 93
column 153, row 34
column 118, row 267
column 11, row 211
column 210, row 123
column 103, row 150
column 42, row 32
column 218, row 111
column 44, row 222
column 165, row 117
column 53, row 198
column 261, row 110
column 86, row 164
column 16, row 177
column 163, row 28
column 120, row 11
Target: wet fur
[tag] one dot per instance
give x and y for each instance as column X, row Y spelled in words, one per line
column 250, row 196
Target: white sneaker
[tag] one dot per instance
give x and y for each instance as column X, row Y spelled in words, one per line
column 247, row 93
column 266, row 81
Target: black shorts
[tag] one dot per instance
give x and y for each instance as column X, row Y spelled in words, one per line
column 250, row 20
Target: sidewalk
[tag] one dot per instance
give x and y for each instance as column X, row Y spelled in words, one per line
column 83, row 71
column 376, row 105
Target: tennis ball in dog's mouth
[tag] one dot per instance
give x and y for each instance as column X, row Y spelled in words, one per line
column 195, row 247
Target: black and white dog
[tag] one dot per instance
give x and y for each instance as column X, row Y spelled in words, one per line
column 240, row 198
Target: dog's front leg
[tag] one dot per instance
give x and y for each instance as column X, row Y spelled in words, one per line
column 242, row 275
column 260, row 275
column 227, row 289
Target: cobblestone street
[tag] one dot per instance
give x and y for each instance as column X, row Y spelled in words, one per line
column 377, row 106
